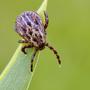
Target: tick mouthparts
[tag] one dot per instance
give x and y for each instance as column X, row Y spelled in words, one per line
column 41, row 45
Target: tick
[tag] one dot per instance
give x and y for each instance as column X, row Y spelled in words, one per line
column 30, row 27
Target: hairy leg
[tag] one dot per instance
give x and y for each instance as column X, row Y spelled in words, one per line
column 46, row 20
column 24, row 48
column 55, row 52
column 32, row 59
column 23, row 41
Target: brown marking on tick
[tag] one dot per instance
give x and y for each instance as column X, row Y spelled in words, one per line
column 24, row 29
column 30, row 32
column 34, row 39
column 36, row 22
column 40, row 36
column 28, row 23
column 36, row 29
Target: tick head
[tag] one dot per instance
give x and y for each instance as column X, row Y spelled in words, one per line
column 41, row 45
column 39, row 41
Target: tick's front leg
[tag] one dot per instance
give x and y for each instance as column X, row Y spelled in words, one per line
column 25, row 47
column 32, row 59
column 46, row 20
column 23, row 41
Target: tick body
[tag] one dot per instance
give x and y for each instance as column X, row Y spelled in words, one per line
column 30, row 27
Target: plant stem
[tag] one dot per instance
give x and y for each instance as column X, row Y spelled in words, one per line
column 17, row 74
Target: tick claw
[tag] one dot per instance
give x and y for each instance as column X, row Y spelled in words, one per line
column 23, row 50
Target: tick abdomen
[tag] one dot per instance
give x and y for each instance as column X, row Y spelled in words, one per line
column 29, row 25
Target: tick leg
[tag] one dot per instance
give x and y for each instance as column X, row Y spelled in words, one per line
column 46, row 20
column 32, row 59
column 23, row 41
column 55, row 52
column 24, row 48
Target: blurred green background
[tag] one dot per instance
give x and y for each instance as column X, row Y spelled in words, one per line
column 68, row 31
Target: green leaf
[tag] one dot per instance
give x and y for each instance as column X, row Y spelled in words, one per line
column 17, row 74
